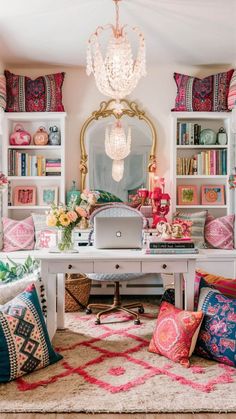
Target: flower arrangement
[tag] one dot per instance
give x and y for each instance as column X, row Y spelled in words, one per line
column 66, row 218
column 3, row 181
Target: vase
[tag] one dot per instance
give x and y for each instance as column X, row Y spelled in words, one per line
column 65, row 242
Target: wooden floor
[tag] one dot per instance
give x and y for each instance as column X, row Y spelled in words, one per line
column 118, row 416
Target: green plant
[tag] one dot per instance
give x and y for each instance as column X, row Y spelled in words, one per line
column 11, row 271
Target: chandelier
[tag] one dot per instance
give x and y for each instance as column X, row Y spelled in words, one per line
column 118, row 73
column 117, row 147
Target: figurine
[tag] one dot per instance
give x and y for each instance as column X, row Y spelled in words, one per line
column 165, row 231
column 176, row 231
column 160, row 205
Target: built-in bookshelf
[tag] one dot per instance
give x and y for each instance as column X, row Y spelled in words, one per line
column 200, row 172
column 32, row 169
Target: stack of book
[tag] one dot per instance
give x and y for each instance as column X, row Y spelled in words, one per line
column 188, row 133
column 181, row 246
column 53, row 167
column 211, row 162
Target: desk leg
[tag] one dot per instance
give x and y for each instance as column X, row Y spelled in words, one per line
column 60, row 301
column 189, row 285
column 50, row 286
column 178, row 279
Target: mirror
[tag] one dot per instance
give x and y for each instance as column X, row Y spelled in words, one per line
column 96, row 166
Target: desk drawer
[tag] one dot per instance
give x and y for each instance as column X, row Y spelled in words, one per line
column 70, row 266
column 164, row 267
column 117, row 267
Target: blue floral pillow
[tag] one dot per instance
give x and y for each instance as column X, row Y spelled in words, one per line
column 217, row 337
column 24, row 341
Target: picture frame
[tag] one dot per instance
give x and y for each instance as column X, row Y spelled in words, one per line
column 48, row 195
column 213, row 195
column 24, row 196
column 187, row 195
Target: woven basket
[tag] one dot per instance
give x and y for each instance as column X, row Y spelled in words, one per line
column 77, row 291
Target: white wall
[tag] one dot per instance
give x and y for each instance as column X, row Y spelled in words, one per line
column 155, row 94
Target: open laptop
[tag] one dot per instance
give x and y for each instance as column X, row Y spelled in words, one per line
column 118, row 232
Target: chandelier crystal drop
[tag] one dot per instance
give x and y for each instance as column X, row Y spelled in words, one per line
column 118, row 73
column 117, row 147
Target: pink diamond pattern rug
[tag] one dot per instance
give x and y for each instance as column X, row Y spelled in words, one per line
column 107, row 368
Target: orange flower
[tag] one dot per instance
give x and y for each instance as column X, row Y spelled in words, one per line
column 81, row 211
column 72, row 216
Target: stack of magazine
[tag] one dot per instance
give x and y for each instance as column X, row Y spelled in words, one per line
column 172, row 246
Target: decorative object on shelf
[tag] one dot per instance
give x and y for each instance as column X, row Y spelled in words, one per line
column 73, row 195
column 181, row 228
column 213, row 194
column 54, row 137
column 232, row 92
column 117, row 147
column 48, row 195
column 187, row 195
column 117, row 75
column 143, row 194
column 20, row 136
column 24, row 195
column 40, row 137
column 222, row 137
column 207, row 137
column 160, row 203
column 232, row 181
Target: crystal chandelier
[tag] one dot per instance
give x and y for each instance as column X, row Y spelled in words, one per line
column 117, row 147
column 118, row 73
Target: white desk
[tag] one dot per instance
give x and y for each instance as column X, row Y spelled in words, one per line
column 111, row 261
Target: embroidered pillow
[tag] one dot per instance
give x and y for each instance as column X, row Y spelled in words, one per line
column 198, row 220
column 105, row 197
column 175, row 333
column 43, row 94
column 24, row 341
column 232, row 91
column 18, row 235
column 219, row 232
column 217, row 337
column 208, row 94
column 45, row 237
column 3, row 92
column 226, row 286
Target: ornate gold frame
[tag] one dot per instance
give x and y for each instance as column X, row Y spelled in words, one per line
column 130, row 109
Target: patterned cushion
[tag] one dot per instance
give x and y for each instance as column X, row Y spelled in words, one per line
column 198, row 223
column 232, row 91
column 24, row 341
column 2, row 91
column 105, row 196
column 219, row 232
column 226, row 286
column 208, row 94
column 45, row 237
column 217, row 337
column 175, row 333
column 43, row 94
column 18, row 235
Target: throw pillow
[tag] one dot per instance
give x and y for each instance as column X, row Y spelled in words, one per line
column 226, row 286
column 105, row 197
column 24, row 340
column 175, row 333
column 217, row 337
column 219, row 232
column 43, row 94
column 198, row 220
column 208, row 94
column 3, row 93
column 45, row 237
column 18, row 235
column 232, row 91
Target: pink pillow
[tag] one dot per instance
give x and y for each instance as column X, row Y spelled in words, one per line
column 219, row 232
column 208, row 94
column 175, row 334
column 18, row 235
column 232, row 92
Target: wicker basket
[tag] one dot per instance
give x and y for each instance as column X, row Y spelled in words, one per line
column 77, row 290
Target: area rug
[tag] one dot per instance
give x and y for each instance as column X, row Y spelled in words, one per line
column 108, row 368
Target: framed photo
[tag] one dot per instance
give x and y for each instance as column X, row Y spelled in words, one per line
column 187, row 195
column 213, row 195
column 24, row 195
column 48, row 195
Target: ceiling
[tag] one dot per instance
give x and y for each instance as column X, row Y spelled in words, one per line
column 55, row 32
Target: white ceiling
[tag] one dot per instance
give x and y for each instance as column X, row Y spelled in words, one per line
column 55, row 32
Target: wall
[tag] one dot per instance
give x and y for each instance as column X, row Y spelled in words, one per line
column 155, row 94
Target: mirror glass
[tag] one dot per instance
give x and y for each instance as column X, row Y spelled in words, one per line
column 99, row 176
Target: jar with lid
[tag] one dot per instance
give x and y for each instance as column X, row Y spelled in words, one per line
column 73, row 195
column 54, row 136
column 41, row 136
column 222, row 137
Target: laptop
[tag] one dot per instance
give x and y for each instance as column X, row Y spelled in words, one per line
column 118, row 232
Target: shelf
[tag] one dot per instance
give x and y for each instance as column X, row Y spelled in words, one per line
column 201, row 176
column 201, row 206
column 35, row 147
column 34, row 178
column 188, row 116
column 195, row 146
column 34, row 116
column 30, row 207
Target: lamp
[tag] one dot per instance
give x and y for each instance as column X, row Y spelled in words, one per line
column 117, row 147
column 118, row 73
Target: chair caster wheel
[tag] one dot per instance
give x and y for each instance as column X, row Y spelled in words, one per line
column 141, row 310
column 97, row 321
column 88, row 311
column 137, row 321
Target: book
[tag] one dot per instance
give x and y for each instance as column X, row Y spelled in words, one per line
column 172, row 245
column 171, row 251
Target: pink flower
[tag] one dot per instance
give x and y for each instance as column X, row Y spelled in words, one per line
column 72, row 215
column 81, row 211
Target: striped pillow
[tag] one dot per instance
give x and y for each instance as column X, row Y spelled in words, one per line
column 232, row 91
column 198, row 220
column 226, row 286
column 3, row 94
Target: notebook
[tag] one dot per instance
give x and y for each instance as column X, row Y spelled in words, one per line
column 118, row 232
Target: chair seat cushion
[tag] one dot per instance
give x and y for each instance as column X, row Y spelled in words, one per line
column 115, row 277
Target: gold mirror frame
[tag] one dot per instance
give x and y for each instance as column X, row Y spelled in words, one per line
column 106, row 109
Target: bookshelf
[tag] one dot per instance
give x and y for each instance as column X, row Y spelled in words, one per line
column 196, row 166
column 27, row 166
